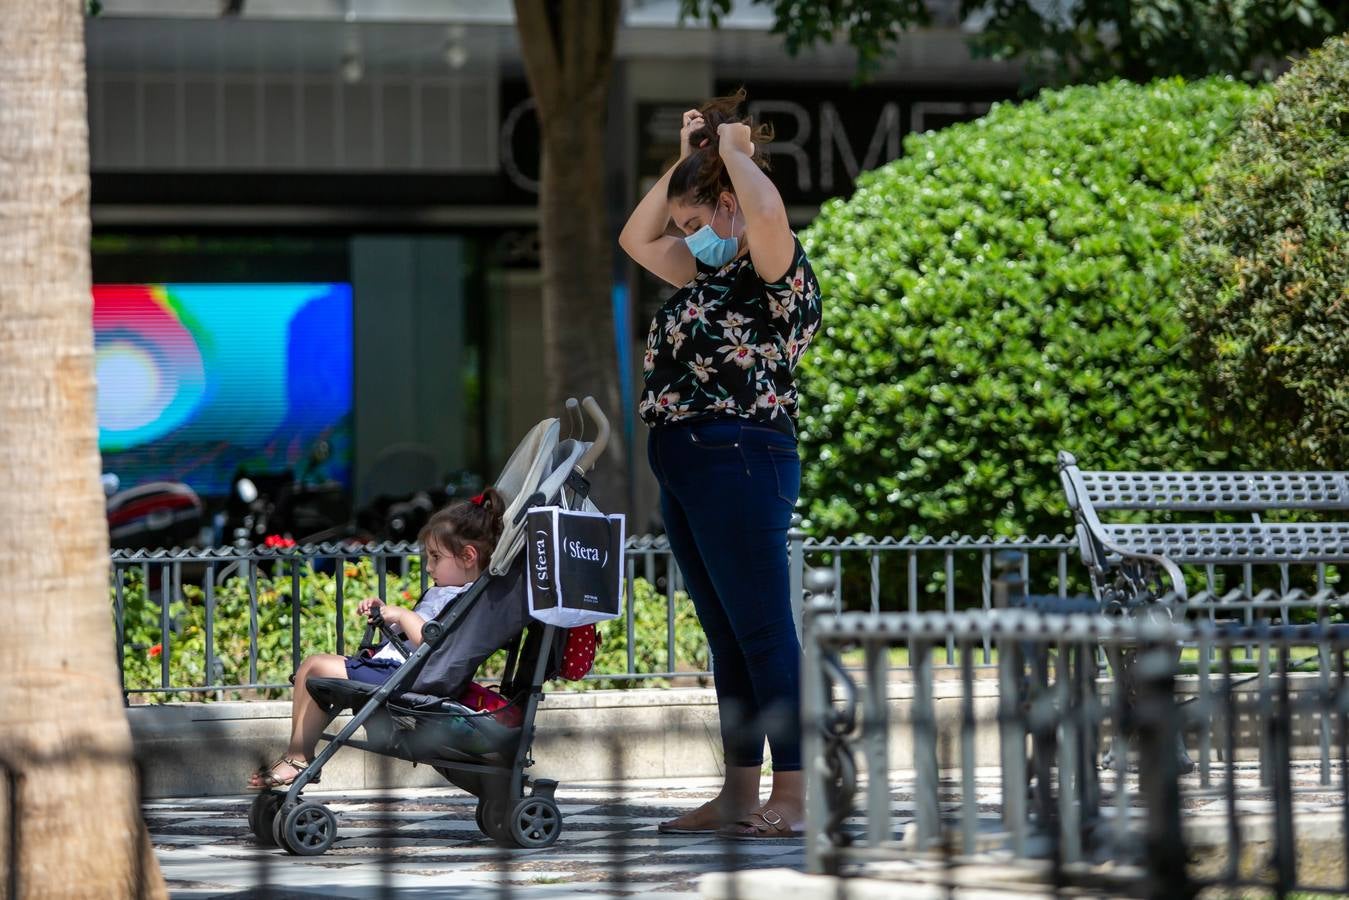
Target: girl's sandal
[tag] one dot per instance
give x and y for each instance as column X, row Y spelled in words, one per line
column 760, row 826
column 268, row 781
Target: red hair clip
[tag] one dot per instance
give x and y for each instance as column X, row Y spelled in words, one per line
column 476, row 501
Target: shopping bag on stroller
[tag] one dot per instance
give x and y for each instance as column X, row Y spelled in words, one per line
column 575, row 565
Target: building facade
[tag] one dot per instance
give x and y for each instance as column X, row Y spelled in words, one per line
column 390, row 146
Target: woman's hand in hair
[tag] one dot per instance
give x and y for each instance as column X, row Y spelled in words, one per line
column 734, row 137
column 693, row 121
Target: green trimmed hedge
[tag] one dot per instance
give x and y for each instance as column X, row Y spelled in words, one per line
column 1266, row 275
column 1005, row 290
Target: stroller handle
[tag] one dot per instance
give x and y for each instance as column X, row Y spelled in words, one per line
column 586, row 462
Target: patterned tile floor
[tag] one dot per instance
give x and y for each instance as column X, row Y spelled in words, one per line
column 425, row 843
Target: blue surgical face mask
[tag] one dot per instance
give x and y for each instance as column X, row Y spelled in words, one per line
column 711, row 248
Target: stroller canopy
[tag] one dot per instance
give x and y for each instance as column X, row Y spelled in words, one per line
column 539, row 465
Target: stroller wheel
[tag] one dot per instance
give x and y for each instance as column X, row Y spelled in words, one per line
column 535, row 822
column 491, row 818
column 261, row 814
column 305, row 829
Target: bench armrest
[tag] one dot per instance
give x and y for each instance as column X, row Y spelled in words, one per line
column 1093, row 543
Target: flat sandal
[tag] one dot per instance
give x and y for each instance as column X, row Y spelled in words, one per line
column 770, row 826
column 268, row 782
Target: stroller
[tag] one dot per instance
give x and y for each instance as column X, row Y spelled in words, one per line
column 414, row 716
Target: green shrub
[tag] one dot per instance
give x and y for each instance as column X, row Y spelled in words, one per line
column 1265, row 290
column 143, row 638
column 1003, row 291
column 650, row 630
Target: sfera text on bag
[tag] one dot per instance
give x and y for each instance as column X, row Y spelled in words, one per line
column 576, row 565
column 577, row 550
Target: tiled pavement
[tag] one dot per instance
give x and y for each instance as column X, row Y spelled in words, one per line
column 425, row 843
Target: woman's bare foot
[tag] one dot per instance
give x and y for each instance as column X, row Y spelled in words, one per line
column 739, row 797
column 782, row 815
column 707, row 818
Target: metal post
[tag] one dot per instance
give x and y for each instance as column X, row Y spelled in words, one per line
column 926, row 777
column 165, row 625
column 969, row 812
column 1089, row 717
column 1159, row 773
column 252, row 563
column 1069, row 805
column 119, row 619
column 875, row 731
column 1043, row 728
column 1231, row 721
column 1013, row 743
column 1326, row 720
column 671, row 589
column 339, row 573
column 796, row 572
column 815, row 700
column 295, row 612
column 950, row 592
column 210, row 624
column 1205, row 706
column 1281, row 737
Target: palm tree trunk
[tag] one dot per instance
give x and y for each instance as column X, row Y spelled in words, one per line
column 568, row 48
column 65, row 745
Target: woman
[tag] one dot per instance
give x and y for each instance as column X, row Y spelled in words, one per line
column 721, row 404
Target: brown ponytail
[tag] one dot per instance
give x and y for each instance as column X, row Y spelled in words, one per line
column 701, row 177
column 477, row 522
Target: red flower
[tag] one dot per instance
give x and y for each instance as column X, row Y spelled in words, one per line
column 155, row 650
column 278, row 542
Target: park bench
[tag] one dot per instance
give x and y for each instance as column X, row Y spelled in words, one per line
column 1135, row 564
column 1136, row 567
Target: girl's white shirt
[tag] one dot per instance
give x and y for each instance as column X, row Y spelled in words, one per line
column 432, row 602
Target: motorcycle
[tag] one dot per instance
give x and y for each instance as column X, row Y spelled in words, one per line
column 285, row 504
column 154, row 515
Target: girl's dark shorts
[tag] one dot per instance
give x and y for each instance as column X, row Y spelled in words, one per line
column 370, row 671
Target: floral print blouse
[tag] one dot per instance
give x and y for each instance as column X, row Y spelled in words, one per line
column 726, row 344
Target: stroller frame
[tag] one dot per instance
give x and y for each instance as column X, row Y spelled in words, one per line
column 513, row 809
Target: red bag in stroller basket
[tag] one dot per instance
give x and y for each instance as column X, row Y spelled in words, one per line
column 578, row 654
column 484, row 699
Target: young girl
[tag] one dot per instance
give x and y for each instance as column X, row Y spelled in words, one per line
column 721, row 401
column 457, row 545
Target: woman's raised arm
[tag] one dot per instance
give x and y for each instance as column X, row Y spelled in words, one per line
column 643, row 237
column 771, row 245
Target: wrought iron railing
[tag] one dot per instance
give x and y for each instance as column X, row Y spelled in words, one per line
column 196, row 623
column 1094, row 789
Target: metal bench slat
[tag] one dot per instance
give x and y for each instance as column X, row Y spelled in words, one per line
column 1201, row 491
column 1235, row 543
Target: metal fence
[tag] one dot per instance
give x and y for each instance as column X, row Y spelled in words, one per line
column 1093, row 789
column 226, row 622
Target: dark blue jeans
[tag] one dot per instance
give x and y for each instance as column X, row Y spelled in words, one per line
column 727, row 489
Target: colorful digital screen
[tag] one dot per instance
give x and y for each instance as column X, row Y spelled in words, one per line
column 196, row 380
